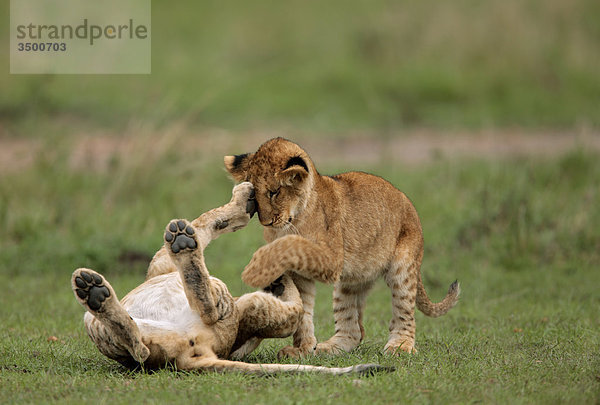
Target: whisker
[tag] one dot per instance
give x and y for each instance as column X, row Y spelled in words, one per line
column 289, row 226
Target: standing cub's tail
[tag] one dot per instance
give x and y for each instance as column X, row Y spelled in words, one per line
column 437, row 309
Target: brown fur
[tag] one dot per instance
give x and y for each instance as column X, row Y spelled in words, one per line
column 347, row 230
column 181, row 315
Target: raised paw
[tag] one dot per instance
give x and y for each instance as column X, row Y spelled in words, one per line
column 244, row 194
column 241, row 208
column 261, row 271
column 91, row 290
column 180, row 235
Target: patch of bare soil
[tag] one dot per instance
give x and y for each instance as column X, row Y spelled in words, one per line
column 416, row 147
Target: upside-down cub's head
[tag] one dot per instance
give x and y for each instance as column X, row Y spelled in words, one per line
column 282, row 175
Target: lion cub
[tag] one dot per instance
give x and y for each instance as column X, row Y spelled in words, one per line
column 183, row 316
column 348, row 230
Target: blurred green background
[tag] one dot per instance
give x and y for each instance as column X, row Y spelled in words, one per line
column 339, row 65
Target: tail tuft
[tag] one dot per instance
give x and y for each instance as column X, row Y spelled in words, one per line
column 454, row 288
column 369, row 370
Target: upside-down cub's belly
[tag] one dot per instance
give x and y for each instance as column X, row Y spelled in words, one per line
column 160, row 304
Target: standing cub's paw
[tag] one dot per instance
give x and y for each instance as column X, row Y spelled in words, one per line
column 397, row 347
column 90, row 289
column 295, row 352
column 328, row 348
column 180, row 236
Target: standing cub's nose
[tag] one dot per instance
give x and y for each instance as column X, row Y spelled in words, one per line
column 264, row 223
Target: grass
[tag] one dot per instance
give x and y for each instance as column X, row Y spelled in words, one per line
column 520, row 235
column 338, row 66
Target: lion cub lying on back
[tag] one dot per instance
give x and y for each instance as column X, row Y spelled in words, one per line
column 182, row 315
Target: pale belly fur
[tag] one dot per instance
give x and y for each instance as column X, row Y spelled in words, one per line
column 160, row 304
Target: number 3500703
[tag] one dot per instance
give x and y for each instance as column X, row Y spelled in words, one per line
column 42, row 46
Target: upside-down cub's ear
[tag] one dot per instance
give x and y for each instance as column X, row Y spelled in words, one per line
column 295, row 171
column 237, row 165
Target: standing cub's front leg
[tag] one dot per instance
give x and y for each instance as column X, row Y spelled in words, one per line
column 306, row 261
column 314, row 261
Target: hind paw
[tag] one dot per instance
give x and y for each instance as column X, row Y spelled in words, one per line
column 180, row 236
column 90, row 289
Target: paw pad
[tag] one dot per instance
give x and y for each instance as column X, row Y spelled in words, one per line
column 91, row 288
column 180, row 236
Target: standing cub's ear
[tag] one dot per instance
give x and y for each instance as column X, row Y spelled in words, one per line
column 295, row 171
column 237, row 165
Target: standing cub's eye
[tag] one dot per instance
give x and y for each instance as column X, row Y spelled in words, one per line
column 273, row 193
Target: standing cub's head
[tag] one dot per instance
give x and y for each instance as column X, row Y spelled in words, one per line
column 282, row 175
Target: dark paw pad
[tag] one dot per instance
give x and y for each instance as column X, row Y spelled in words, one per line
column 180, row 236
column 91, row 289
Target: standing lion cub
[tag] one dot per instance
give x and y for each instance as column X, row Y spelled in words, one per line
column 183, row 316
column 349, row 230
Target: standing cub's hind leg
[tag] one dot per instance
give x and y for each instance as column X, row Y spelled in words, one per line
column 110, row 327
column 401, row 278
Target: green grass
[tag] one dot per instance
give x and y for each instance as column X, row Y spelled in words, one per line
column 337, row 66
column 520, row 235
